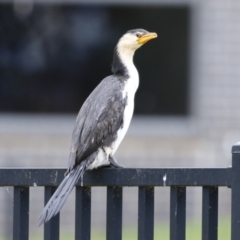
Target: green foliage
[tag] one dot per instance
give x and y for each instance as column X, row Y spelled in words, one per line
column 161, row 232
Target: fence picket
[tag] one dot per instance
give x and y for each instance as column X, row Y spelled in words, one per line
column 210, row 213
column 145, row 213
column 178, row 213
column 21, row 213
column 51, row 228
column 83, row 213
column 114, row 213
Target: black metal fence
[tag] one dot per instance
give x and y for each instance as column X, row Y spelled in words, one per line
column 145, row 179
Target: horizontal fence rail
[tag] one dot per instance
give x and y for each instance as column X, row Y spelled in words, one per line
column 120, row 177
column 178, row 179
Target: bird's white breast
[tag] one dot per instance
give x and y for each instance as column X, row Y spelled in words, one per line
column 101, row 159
column 129, row 93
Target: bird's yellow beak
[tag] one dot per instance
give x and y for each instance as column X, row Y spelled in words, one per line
column 146, row 37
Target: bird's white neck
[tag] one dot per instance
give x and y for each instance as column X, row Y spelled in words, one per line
column 126, row 57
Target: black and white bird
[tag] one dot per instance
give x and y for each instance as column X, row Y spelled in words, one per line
column 103, row 119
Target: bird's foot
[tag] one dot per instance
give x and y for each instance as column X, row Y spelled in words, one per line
column 104, row 166
column 113, row 163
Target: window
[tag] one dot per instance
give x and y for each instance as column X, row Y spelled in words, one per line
column 52, row 56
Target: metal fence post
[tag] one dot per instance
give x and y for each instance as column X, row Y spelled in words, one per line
column 235, row 224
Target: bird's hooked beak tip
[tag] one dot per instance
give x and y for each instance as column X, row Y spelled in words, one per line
column 146, row 37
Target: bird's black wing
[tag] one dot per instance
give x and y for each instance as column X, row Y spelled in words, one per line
column 98, row 121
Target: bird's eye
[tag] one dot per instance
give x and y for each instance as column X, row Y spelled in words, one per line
column 138, row 35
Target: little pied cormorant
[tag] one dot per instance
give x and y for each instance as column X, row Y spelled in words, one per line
column 103, row 119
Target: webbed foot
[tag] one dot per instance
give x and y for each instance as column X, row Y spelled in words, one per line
column 113, row 162
column 104, row 166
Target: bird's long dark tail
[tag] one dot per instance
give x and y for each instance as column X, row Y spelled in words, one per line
column 60, row 196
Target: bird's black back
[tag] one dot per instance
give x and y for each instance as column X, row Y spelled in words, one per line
column 99, row 119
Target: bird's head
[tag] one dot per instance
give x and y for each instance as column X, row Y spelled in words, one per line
column 127, row 45
column 134, row 39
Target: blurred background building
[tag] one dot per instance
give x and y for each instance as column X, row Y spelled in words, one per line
column 53, row 54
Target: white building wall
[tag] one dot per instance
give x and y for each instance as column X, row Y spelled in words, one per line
column 218, row 64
